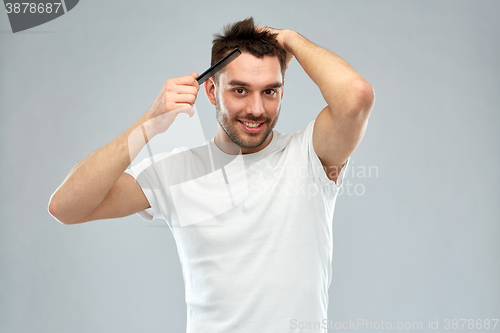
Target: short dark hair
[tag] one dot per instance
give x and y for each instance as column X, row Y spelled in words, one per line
column 245, row 37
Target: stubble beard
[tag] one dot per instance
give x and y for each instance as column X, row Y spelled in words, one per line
column 232, row 128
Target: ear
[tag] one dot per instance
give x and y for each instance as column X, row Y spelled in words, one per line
column 210, row 90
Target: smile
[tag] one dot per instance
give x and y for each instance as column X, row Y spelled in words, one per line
column 251, row 127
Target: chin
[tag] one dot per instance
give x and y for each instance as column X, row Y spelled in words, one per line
column 251, row 140
column 241, row 137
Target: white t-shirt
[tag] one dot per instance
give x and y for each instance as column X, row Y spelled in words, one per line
column 254, row 237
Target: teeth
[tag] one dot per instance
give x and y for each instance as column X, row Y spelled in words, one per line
column 251, row 124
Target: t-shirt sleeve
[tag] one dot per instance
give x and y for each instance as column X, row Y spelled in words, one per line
column 319, row 172
column 147, row 174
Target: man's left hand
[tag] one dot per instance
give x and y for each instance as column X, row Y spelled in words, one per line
column 281, row 37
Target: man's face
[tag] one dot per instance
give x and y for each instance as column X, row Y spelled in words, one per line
column 248, row 97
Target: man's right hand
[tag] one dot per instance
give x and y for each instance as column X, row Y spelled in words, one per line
column 178, row 95
column 97, row 187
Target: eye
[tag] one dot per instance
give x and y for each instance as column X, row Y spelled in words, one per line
column 269, row 92
column 239, row 91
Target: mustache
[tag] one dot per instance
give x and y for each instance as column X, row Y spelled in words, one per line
column 255, row 119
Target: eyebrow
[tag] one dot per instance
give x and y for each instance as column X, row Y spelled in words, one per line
column 244, row 84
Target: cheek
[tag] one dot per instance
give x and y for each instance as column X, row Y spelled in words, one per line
column 273, row 105
column 231, row 105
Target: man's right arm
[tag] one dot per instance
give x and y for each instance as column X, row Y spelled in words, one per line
column 97, row 187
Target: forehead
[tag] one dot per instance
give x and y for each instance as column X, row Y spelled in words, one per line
column 252, row 70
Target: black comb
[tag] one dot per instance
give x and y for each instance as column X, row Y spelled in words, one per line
column 218, row 66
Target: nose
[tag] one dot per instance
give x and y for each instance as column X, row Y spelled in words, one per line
column 255, row 105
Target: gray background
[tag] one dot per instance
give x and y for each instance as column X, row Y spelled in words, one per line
column 419, row 244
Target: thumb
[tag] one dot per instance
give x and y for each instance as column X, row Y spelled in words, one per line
column 188, row 109
column 194, row 74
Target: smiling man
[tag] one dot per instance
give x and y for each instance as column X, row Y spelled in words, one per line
column 251, row 210
column 247, row 101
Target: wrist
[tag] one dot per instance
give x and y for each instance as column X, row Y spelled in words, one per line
column 289, row 38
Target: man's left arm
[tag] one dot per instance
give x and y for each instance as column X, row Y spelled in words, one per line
column 340, row 126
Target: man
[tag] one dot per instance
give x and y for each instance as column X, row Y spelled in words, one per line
column 253, row 224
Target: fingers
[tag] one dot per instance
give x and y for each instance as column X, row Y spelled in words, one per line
column 173, row 99
column 260, row 28
column 177, row 95
column 281, row 36
column 180, row 91
column 189, row 80
column 194, row 74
